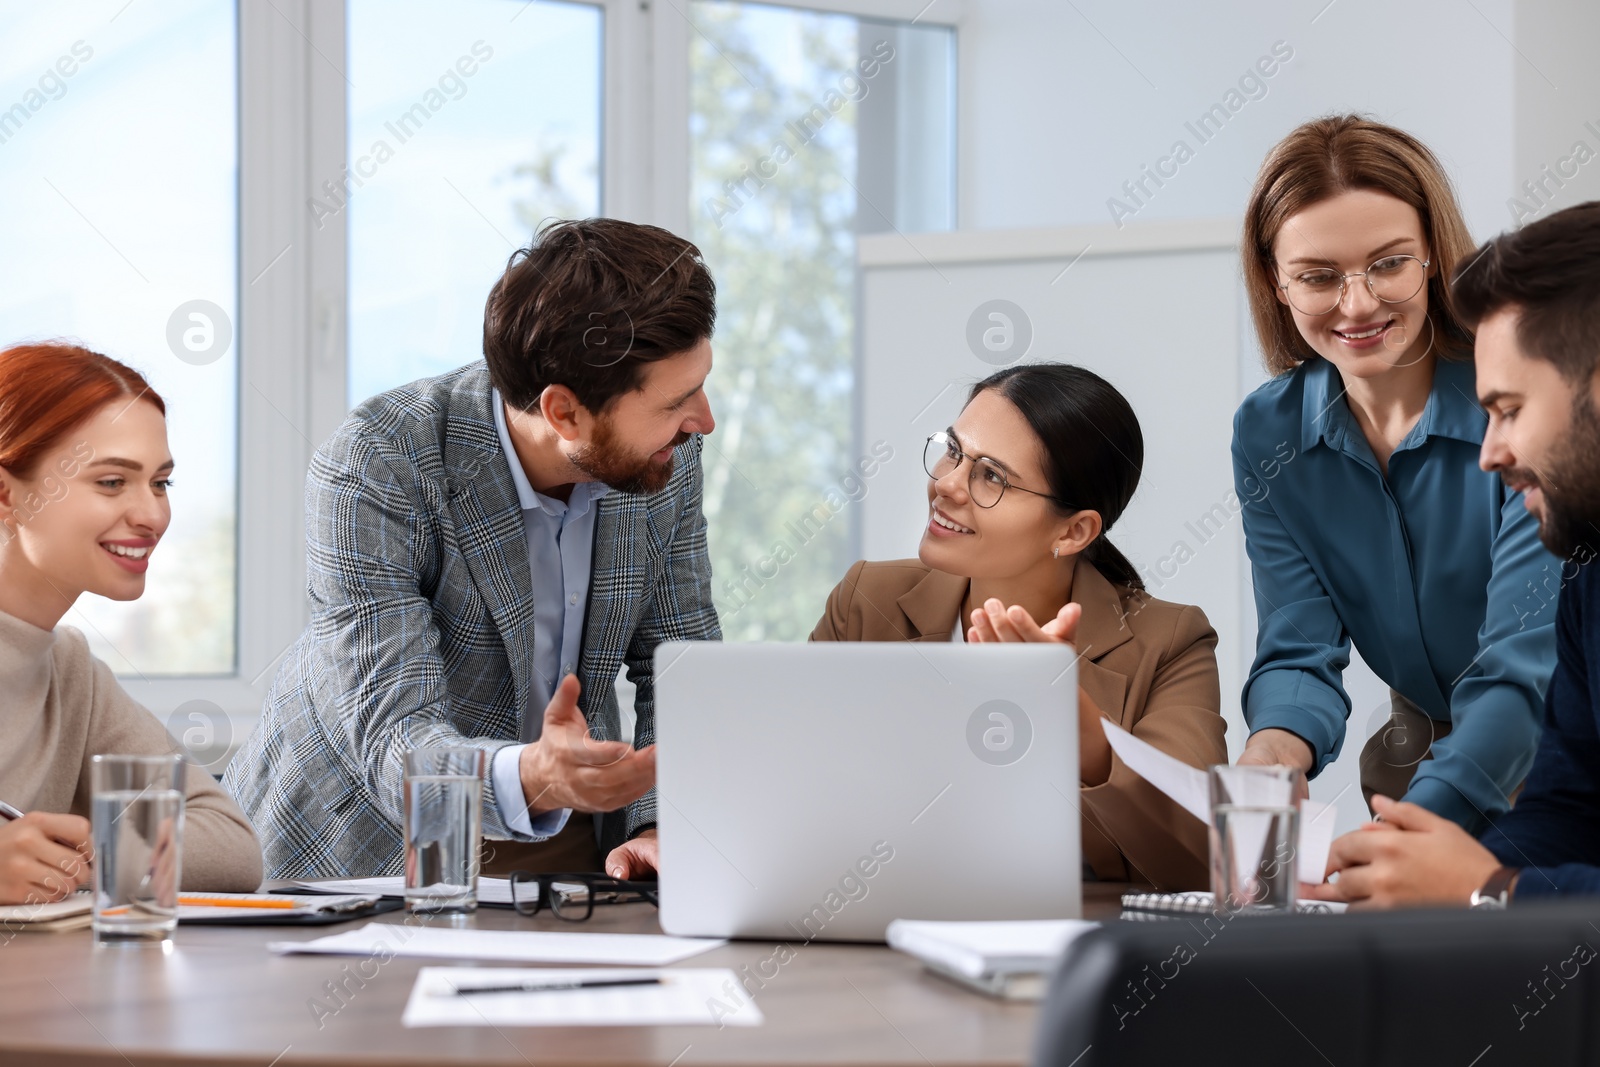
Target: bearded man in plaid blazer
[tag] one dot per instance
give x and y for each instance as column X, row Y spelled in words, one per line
column 485, row 550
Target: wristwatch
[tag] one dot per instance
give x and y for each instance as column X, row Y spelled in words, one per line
column 1495, row 893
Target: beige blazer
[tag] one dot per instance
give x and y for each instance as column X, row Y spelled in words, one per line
column 1150, row 665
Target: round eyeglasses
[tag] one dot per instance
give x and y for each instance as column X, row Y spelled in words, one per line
column 1392, row 279
column 986, row 481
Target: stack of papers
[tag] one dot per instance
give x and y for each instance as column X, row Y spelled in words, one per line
column 217, row 907
column 645, row 950
column 490, row 890
column 1003, row 959
column 72, row 913
column 75, row 912
column 692, row 996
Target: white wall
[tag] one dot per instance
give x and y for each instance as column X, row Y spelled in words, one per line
column 1061, row 104
column 1059, row 109
column 1558, row 108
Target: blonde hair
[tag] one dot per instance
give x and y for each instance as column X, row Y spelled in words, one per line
column 1329, row 156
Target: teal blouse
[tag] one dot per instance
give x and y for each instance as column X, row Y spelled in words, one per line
column 1436, row 572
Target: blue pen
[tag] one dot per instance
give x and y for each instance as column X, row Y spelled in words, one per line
column 10, row 812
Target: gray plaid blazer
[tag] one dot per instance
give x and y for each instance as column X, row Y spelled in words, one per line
column 421, row 626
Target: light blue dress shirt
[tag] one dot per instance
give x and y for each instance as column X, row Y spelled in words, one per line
column 1436, row 572
column 560, row 558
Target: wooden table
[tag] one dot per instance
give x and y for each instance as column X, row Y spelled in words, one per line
column 215, row 995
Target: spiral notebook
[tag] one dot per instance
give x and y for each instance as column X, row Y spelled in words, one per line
column 1154, row 904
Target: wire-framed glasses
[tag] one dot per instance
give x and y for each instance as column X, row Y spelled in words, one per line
column 1392, row 279
column 986, row 481
column 532, row 893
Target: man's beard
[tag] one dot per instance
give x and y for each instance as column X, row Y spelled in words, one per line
column 607, row 460
column 1571, row 485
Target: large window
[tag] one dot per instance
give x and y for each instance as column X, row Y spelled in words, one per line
column 118, row 171
column 470, row 122
column 806, row 130
column 395, row 153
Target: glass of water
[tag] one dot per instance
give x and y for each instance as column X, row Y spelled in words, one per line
column 1255, row 827
column 136, row 815
column 443, row 827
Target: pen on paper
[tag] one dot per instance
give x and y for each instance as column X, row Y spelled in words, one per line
column 551, row 987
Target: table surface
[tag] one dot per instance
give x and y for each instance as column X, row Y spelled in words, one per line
column 215, row 995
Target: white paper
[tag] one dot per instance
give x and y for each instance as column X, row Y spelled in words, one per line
column 1317, row 819
column 521, row 946
column 1190, row 788
column 692, row 996
column 1185, row 784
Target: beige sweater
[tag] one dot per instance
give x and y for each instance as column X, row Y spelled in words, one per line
column 59, row 706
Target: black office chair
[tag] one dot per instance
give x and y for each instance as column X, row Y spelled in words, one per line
column 1457, row 988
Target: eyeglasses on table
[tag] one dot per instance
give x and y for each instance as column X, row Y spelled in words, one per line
column 532, row 893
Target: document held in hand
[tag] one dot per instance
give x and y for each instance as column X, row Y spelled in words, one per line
column 1188, row 786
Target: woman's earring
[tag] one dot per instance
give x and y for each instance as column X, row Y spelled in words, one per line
column 1055, row 553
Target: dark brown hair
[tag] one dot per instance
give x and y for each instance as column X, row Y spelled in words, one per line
column 1550, row 272
column 1091, row 443
column 48, row 390
column 1322, row 159
column 588, row 304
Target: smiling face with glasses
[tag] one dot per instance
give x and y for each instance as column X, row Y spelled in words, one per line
column 991, row 515
column 1353, row 270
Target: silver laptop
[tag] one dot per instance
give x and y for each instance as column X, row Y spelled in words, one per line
column 819, row 791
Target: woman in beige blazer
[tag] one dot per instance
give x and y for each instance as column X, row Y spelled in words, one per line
column 1040, row 463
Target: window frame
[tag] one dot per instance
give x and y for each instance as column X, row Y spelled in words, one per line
column 293, row 294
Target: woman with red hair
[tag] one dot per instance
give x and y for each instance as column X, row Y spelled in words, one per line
column 84, row 473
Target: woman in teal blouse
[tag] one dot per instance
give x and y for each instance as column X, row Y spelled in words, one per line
column 1366, row 515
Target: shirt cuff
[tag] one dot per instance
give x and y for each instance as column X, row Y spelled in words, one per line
column 1310, row 728
column 505, row 772
column 1445, row 800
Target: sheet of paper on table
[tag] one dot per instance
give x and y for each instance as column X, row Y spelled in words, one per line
column 1190, row 788
column 693, row 996
column 518, row 946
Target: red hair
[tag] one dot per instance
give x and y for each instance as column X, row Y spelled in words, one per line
column 48, row 390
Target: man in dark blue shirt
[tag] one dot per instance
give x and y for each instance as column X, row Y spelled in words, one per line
column 1534, row 298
